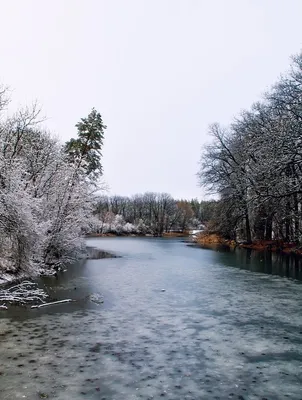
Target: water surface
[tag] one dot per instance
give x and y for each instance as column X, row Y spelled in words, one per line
column 176, row 322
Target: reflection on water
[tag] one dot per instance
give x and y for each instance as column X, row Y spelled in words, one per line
column 217, row 331
column 268, row 262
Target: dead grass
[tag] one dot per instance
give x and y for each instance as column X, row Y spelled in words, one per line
column 176, row 234
column 274, row 245
column 206, row 238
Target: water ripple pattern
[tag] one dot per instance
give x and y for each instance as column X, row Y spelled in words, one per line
column 176, row 323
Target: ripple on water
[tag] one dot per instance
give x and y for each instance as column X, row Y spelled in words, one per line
column 215, row 333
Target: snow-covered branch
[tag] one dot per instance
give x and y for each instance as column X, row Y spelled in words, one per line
column 24, row 293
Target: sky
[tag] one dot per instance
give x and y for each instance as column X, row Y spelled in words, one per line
column 158, row 71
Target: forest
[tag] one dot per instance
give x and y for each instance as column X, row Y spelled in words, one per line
column 149, row 213
column 254, row 166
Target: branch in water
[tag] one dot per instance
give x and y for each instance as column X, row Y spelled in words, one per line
column 23, row 293
column 52, row 303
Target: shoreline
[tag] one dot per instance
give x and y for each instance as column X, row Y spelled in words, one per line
column 276, row 246
column 165, row 234
column 9, row 279
column 203, row 239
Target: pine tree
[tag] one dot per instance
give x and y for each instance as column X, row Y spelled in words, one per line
column 85, row 151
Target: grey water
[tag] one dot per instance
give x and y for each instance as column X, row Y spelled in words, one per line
column 164, row 320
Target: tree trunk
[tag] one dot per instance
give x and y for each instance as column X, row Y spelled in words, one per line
column 287, row 229
column 248, row 228
column 296, row 219
column 269, row 228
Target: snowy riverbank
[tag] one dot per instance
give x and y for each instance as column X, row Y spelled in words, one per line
column 22, row 289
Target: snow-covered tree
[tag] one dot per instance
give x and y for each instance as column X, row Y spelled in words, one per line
column 152, row 213
column 46, row 195
column 255, row 165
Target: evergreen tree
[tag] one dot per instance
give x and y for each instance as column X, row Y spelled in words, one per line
column 85, row 151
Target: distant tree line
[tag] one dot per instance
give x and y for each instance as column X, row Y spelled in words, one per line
column 152, row 213
column 255, row 166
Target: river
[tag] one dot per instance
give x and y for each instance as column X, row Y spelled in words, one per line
column 164, row 320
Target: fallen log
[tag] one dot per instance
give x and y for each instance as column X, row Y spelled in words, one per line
column 52, row 303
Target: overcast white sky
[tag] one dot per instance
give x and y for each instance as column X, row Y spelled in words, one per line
column 159, row 72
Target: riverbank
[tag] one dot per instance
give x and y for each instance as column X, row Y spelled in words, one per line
column 207, row 238
column 165, row 234
column 274, row 245
column 22, row 288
